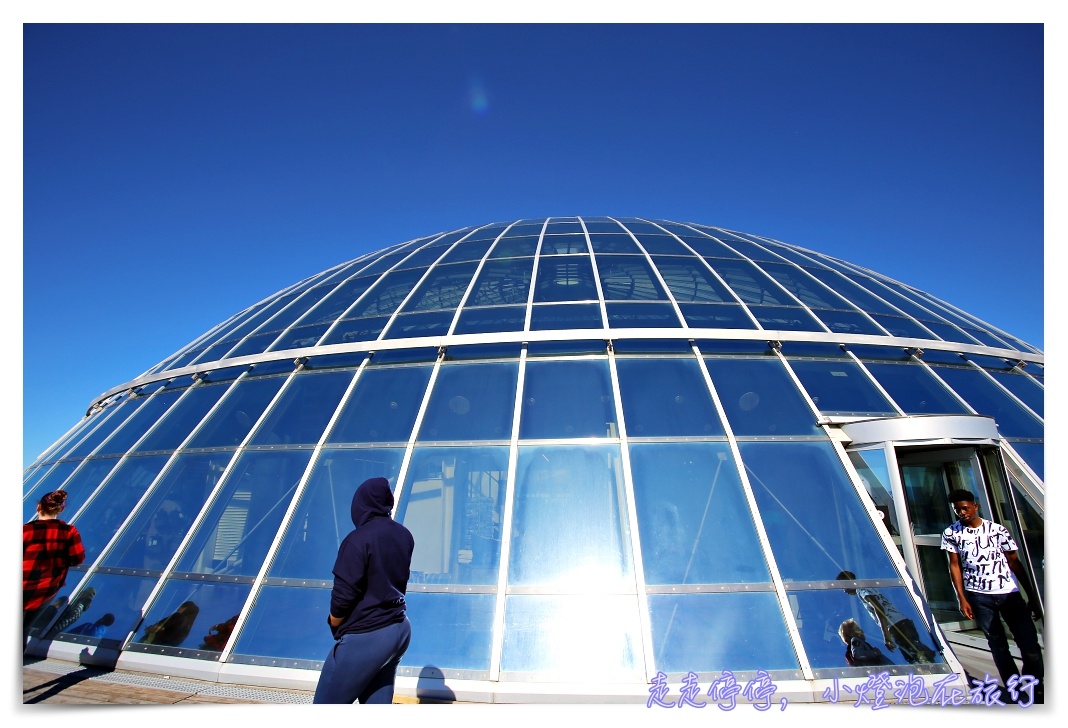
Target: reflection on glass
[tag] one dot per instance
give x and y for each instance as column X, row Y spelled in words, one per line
column 452, row 503
column 840, row 388
column 301, row 414
column 567, row 278
column 489, row 320
column 830, row 645
column 875, row 475
column 238, row 530
column 570, row 522
column 760, row 398
column 231, row 421
column 52, row 481
column 84, row 483
column 155, row 532
column 193, row 615
column 628, row 278
column 693, row 517
column 454, row 631
column 108, row 607
column 105, row 427
column 103, row 516
column 383, row 406
column 915, row 390
column 987, row 398
column 471, row 402
column 186, row 414
column 502, row 282
column 567, row 399
column 579, row 637
column 147, row 415
column 814, row 519
column 271, row 632
column 1024, row 387
column 567, row 316
column 709, row 633
column 323, row 516
column 666, row 397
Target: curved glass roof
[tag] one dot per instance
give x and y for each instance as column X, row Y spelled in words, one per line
column 623, row 418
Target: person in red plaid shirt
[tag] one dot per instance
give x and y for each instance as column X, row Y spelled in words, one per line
column 49, row 548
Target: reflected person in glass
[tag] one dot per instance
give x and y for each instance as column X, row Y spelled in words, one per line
column 368, row 616
column 898, row 630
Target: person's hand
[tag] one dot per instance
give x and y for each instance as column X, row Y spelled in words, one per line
column 1036, row 610
column 889, row 643
column 966, row 609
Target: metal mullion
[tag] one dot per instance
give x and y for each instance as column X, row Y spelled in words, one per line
column 208, row 502
column 875, row 381
column 632, row 518
column 596, row 277
column 497, row 636
column 758, row 524
column 656, row 272
column 430, row 269
column 287, row 517
column 474, row 279
column 797, row 383
column 534, row 276
column 410, row 447
column 943, row 382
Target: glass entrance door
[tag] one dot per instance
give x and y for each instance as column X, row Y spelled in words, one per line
column 927, row 477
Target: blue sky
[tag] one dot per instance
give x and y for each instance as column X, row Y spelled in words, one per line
column 175, row 174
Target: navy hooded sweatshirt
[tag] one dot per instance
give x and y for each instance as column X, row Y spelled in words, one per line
column 373, row 564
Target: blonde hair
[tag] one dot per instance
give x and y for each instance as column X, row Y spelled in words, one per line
column 849, row 629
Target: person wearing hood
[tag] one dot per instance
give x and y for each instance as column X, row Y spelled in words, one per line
column 367, row 609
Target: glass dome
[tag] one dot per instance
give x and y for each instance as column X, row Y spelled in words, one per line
column 629, row 450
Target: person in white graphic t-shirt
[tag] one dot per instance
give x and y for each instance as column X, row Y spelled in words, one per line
column 982, row 564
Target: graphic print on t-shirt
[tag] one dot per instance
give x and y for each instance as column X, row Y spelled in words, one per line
column 982, row 560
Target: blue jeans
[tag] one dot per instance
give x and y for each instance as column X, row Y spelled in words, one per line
column 987, row 608
column 363, row 666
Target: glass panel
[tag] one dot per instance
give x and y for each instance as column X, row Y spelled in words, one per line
column 557, row 636
column 243, row 520
column 324, row 514
column 84, row 483
column 468, row 251
column 452, row 502
column 50, row 482
column 567, row 399
column 435, row 323
column 502, row 282
column 383, row 406
column 690, row 507
column 193, row 615
column 256, row 344
column 567, row 278
column 1034, row 454
column 938, row 589
column 182, row 418
column 581, row 316
column 847, row 322
column 331, row 307
column 927, row 486
column 986, row 398
column 641, row 315
column 760, row 398
column 666, row 397
column 563, row 244
column 299, row 337
column 949, row 332
column 915, row 390
column 105, row 427
column 304, row 409
column 102, row 518
column 566, row 537
column 822, row 618
column 442, row 288
column 614, row 243
column 853, row 293
column 489, row 320
column 707, row 247
column 814, row 519
column 146, row 416
column 515, row 247
column 155, row 532
column 904, row 327
column 840, row 388
column 875, row 476
column 628, row 278
column 710, row 633
column 808, row 290
column 750, row 283
column 471, row 402
column 231, row 421
column 1032, row 524
column 716, row 316
column 691, row 281
column 387, row 294
column 108, row 608
column 455, row 630
column 785, row 318
column 361, row 329
column 271, row 632
column 662, row 245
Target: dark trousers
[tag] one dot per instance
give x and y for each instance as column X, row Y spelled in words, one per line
column 989, row 610
column 363, row 666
